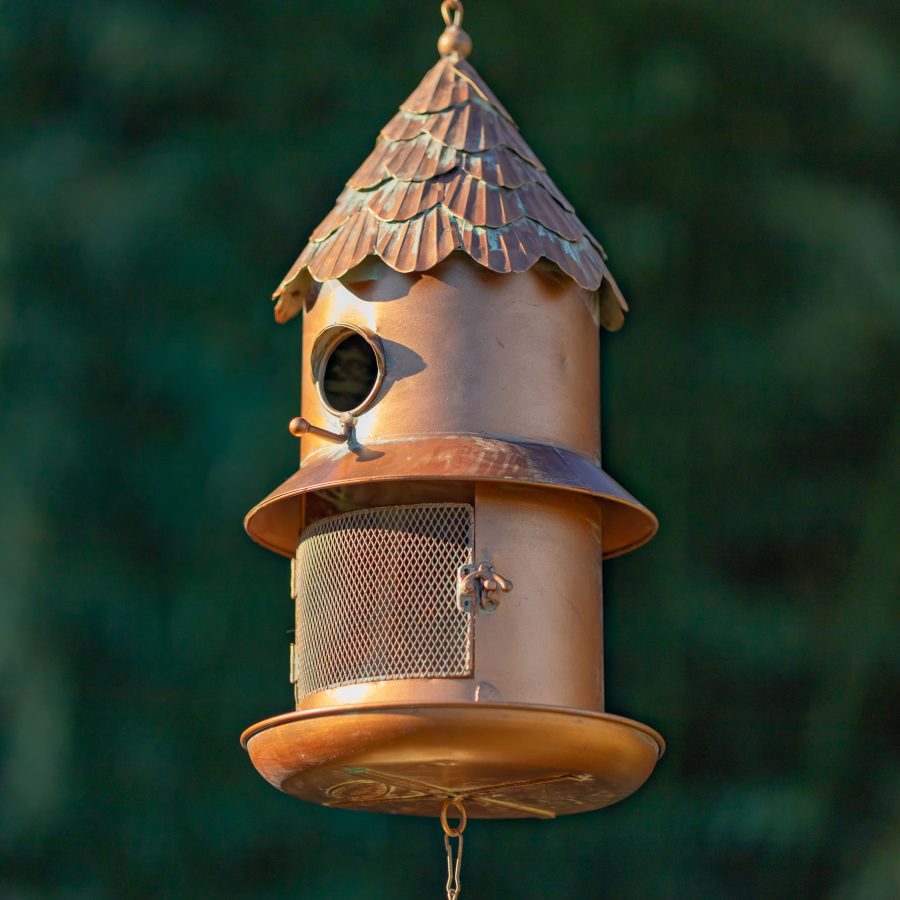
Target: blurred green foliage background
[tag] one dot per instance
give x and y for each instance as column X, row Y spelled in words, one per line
column 161, row 164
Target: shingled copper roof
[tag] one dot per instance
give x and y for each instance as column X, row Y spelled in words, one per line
column 451, row 172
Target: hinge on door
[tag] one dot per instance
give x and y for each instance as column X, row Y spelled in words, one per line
column 477, row 585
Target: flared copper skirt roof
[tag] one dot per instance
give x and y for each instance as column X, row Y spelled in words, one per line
column 627, row 524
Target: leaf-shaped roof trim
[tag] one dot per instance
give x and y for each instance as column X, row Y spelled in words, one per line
column 450, row 172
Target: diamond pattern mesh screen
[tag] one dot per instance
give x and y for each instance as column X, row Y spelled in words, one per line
column 376, row 596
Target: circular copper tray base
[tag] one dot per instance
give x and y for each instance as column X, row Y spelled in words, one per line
column 505, row 761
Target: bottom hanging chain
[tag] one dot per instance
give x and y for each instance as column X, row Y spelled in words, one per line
column 454, row 885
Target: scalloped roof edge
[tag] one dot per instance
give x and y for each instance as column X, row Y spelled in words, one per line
column 412, row 216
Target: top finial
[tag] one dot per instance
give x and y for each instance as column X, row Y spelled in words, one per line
column 454, row 42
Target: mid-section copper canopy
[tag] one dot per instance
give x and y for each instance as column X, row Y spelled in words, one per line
column 275, row 521
column 451, row 173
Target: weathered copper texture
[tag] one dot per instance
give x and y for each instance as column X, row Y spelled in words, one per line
column 474, row 390
column 451, row 172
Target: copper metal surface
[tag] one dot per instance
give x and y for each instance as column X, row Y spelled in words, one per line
column 450, row 172
column 275, row 521
column 504, row 761
column 465, row 350
column 544, row 643
column 480, row 291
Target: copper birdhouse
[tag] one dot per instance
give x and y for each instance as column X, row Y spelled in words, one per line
column 449, row 517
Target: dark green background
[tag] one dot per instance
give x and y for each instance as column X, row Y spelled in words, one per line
column 161, row 164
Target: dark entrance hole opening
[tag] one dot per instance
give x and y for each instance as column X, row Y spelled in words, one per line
column 350, row 373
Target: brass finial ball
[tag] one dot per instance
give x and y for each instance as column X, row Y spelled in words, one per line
column 454, row 42
column 298, row 426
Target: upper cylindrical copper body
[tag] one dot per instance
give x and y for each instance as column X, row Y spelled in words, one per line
column 466, row 351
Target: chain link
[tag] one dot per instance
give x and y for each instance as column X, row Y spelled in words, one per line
column 454, row 884
column 455, row 7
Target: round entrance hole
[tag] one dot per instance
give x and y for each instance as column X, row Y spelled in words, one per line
column 349, row 366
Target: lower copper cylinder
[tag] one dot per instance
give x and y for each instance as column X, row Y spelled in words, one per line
column 378, row 619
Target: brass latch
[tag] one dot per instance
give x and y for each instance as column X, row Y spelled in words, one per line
column 476, row 586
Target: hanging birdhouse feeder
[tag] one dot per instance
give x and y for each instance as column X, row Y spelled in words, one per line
column 449, row 517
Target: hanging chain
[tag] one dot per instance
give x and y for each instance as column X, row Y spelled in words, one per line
column 455, row 7
column 454, row 886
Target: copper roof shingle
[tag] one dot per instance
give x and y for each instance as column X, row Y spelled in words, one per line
column 451, row 172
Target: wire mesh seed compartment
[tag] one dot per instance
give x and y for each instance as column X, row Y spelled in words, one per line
column 376, row 596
